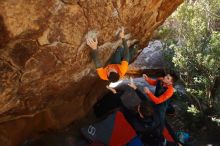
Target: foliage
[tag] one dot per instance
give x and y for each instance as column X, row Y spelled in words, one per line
column 192, row 109
column 192, row 35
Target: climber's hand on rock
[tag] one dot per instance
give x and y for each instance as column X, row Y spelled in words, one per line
column 122, row 33
column 91, row 43
column 131, row 84
column 146, row 90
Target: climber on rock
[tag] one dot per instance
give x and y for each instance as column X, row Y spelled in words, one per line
column 119, row 61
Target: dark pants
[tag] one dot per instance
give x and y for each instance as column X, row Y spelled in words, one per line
column 118, row 55
column 170, row 109
column 160, row 109
column 108, row 103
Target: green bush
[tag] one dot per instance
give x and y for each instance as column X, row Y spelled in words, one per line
column 196, row 45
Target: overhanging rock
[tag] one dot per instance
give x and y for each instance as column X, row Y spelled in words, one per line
column 47, row 79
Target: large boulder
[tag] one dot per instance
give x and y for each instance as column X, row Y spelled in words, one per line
column 47, row 79
column 151, row 60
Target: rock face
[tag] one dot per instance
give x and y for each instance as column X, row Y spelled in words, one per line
column 47, row 79
column 151, row 58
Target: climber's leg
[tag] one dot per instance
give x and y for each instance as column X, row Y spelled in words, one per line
column 133, row 50
column 117, row 56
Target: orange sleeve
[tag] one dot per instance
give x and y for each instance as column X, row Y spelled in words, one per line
column 102, row 73
column 123, row 67
column 165, row 96
column 150, row 81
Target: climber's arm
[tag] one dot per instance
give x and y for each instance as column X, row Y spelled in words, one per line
column 94, row 54
column 150, row 81
column 125, row 60
column 124, row 42
column 162, row 98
